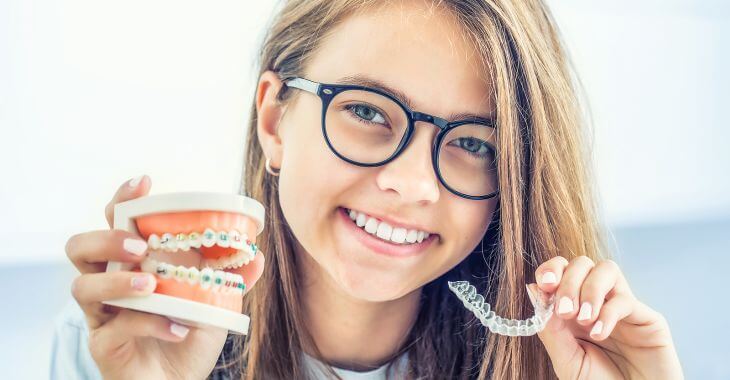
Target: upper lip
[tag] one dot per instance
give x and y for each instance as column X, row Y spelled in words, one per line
column 394, row 222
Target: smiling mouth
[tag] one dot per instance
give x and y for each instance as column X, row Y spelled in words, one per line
column 384, row 231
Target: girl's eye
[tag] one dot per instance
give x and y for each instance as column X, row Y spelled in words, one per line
column 473, row 146
column 367, row 114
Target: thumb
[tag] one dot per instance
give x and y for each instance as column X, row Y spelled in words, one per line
column 565, row 352
column 134, row 188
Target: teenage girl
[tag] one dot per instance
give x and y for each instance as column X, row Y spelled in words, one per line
column 398, row 145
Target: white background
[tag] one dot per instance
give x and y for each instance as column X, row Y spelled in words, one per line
column 93, row 93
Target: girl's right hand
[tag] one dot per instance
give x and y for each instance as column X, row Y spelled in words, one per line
column 131, row 344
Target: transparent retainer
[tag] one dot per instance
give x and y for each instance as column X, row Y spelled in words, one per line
column 475, row 303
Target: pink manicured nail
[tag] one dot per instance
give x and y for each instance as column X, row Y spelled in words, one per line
column 597, row 328
column 135, row 246
column 135, row 181
column 548, row 278
column 585, row 311
column 565, row 306
column 140, row 282
column 179, row 330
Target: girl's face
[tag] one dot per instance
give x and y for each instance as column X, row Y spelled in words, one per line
column 421, row 53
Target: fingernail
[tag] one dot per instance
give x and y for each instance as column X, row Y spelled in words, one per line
column 135, row 181
column 135, row 246
column 565, row 306
column 141, row 282
column 597, row 328
column 548, row 278
column 178, row 330
column 585, row 311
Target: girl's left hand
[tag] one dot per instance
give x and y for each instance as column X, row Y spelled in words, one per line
column 599, row 330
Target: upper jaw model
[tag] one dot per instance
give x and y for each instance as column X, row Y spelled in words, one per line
column 202, row 251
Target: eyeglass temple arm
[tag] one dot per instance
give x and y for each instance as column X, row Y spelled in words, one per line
column 303, row 84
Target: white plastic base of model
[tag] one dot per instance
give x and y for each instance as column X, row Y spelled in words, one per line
column 186, row 312
column 179, row 309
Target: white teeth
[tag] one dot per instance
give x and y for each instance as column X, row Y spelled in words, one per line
column 181, row 273
column 194, row 240
column 163, row 270
column 167, row 242
column 236, row 241
column 181, row 240
column 398, row 236
column 222, row 239
column 361, row 219
column 219, row 279
column 193, row 275
column 208, row 238
column 153, row 241
column 371, row 225
column 149, row 265
column 412, row 236
column 206, row 278
column 384, row 231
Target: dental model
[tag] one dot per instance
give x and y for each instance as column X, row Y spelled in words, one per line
column 199, row 246
column 475, row 303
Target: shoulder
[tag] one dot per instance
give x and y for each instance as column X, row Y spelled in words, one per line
column 70, row 357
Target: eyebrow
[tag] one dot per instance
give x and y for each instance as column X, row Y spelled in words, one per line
column 364, row 80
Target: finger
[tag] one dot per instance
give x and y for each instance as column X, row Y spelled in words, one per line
column 563, row 348
column 90, row 290
column 252, row 271
column 90, row 251
column 597, row 287
column 568, row 293
column 133, row 188
column 614, row 310
column 549, row 273
column 106, row 341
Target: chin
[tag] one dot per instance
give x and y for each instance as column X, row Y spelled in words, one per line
column 373, row 285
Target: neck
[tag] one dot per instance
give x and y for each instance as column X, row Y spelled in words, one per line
column 351, row 333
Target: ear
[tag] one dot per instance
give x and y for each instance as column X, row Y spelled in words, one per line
column 268, row 114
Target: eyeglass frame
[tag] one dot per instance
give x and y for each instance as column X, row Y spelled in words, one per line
column 327, row 91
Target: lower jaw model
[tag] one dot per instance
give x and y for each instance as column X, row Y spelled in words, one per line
column 199, row 255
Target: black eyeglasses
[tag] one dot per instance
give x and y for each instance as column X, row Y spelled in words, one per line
column 370, row 127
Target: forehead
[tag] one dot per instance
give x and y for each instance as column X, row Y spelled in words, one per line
column 416, row 49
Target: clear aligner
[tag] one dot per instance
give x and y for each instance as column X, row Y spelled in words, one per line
column 475, row 303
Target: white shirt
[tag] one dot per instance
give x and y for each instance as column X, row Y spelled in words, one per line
column 71, row 359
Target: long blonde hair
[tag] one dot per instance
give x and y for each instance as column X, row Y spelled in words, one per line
column 546, row 205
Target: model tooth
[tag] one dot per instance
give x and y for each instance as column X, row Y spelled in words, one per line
column 398, row 236
column 182, row 242
column 181, row 273
column 193, row 276
column 163, row 270
column 206, row 278
column 194, row 240
column 167, row 242
column 222, row 239
column 209, row 238
column 219, row 278
column 236, row 241
column 153, row 241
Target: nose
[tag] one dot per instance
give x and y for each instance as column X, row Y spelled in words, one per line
column 411, row 174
